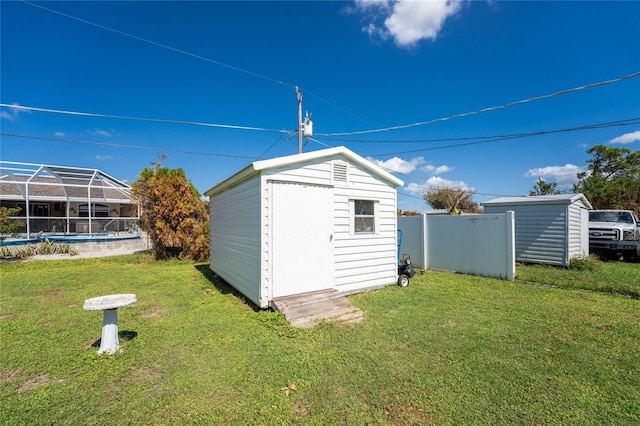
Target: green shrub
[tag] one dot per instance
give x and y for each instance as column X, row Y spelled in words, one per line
column 26, row 251
column 5, row 252
column 43, row 248
column 47, row 247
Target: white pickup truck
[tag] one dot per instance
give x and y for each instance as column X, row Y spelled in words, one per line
column 614, row 232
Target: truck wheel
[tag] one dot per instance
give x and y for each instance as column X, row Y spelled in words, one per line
column 403, row 280
column 632, row 256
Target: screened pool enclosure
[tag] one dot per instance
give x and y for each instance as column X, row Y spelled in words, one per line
column 61, row 199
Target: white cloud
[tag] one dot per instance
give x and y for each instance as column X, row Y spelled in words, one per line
column 563, row 175
column 13, row 113
column 103, row 157
column 100, row 133
column 627, row 138
column 365, row 4
column 59, row 134
column 398, row 165
column 435, row 182
column 407, row 21
column 430, row 168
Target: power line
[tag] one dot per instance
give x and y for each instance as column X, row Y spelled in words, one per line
column 495, row 138
column 404, row 193
column 626, row 122
column 504, row 138
column 154, row 120
column 270, row 146
column 320, row 143
column 483, row 139
column 193, row 55
column 116, row 145
column 399, row 127
column 494, row 108
column 164, row 46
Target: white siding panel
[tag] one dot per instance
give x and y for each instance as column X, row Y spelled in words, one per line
column 317, row 172
column 359, row 282
column 578, row 231
column 235, row 237
column 366, row 261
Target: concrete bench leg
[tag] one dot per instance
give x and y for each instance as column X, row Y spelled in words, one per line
column 109, row 343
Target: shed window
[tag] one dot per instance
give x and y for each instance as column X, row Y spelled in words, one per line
column 364, row 217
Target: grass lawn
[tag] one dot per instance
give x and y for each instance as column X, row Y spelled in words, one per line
column 615, row 277
column 448, row 349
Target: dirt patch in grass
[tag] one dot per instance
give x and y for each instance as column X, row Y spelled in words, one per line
column 33, row 382
column 29, row 382
column 6, row 317
column 153, row 312
column 10, row 375
column 148, row 377
column 53, row 293
column 402, row 414
column 145, row 373
column 302, row 407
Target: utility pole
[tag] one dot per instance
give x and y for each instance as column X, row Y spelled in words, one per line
column 299, row 120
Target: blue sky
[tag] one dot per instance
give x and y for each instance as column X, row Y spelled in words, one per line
column 376, row 76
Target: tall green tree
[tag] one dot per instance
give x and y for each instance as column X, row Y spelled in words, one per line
column 612, row 178
column 173, row 215
column 454, row 200
column 543, row 188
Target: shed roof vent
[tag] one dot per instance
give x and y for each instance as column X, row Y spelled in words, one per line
column 340, row 172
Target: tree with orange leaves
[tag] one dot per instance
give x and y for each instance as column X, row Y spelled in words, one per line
column 173, row 214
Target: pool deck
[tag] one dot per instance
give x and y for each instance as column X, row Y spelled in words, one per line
column 85, row 255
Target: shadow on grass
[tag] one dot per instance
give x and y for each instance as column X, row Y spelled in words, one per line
column 224, row 287
column 124, row 335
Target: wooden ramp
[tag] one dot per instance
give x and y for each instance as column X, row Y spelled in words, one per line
column 307, row 309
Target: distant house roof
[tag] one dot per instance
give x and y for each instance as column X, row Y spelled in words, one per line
column 290, row 160
column 59, row 183
column 539, row 200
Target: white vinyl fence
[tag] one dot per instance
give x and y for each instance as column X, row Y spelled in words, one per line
column 470, row 244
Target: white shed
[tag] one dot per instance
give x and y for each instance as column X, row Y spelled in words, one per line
column 307, row 222
column 549, row 229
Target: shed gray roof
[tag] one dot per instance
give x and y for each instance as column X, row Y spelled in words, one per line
column 539, row 200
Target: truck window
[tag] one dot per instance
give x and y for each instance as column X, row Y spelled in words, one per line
column 612, row 216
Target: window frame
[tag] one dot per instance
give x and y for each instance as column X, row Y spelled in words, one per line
column 354, row 216
column 97, row 210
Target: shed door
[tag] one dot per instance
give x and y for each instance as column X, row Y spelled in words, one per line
column 302, row 238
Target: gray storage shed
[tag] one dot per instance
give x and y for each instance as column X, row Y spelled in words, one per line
column 319, row 220
column 549, row 229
